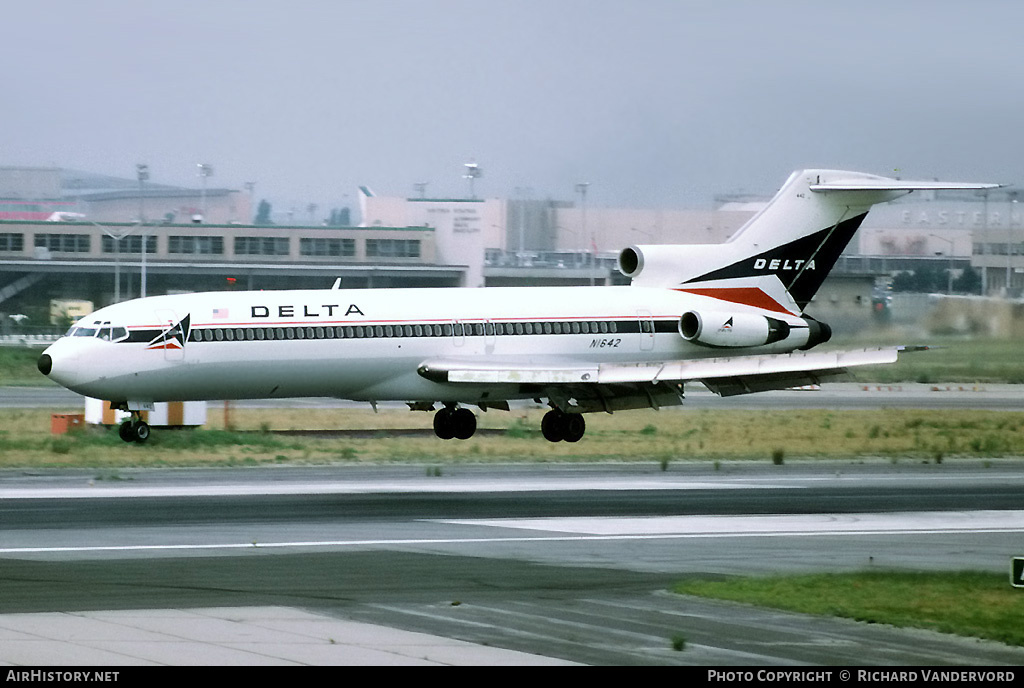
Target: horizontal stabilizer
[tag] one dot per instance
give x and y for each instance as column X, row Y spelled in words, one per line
column 881, row 184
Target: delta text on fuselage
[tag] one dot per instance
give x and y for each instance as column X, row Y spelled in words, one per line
column 293, row 311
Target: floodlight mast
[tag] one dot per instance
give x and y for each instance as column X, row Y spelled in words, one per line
column 581, row 189
column 473, row 172
column 251, row 188
column 205, row 171
column 142, row 172
column 524, row 194
column 949, row 258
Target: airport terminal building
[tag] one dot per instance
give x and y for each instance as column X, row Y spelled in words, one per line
column 66, row 235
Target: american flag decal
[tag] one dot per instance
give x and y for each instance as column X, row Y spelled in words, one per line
column 220, row 313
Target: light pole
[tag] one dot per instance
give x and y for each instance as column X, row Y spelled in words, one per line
column 205, row 171
column 561, row 241
column 581, row 189
column 143, row 174
column 949, row 270
column 1012, row 196
column 421, row 187
column 251, row 188
column 473, row 172
column 523, row 193
column 116, row 236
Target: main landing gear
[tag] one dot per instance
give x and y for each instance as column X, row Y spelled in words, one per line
column 557, row 426
column 455, row 422
column 134, row 430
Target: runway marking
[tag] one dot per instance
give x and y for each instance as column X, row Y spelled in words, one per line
column 769, row 524
column 621, row 529
column 382, row 487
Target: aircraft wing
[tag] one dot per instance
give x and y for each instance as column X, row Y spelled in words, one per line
column 725, row 376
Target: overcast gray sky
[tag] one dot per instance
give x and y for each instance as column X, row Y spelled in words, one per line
column 656, row 103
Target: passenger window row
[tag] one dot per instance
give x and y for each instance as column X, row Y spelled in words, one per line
column 453, row 329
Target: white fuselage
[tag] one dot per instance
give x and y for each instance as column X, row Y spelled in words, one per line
column 369, row 344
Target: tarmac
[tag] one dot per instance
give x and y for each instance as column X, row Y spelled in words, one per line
column 238, row 636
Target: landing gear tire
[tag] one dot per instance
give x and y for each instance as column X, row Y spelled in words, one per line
column 452, row 422
column 551, row 426
column 464, row 421
column 575, row 427
column 141, row 431
column 444, row 428
column 557, row 426
column 126, row 431
column 134, row 431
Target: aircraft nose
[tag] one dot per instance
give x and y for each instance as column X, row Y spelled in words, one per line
column 61, row 363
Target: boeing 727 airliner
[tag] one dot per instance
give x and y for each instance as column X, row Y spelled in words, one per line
column 730, row 316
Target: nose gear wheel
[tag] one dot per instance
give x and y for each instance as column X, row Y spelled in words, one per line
column 134, row 430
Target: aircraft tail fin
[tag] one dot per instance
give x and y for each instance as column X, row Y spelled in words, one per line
column 779, row 259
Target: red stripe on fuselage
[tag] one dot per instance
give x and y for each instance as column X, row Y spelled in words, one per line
column 748, row 296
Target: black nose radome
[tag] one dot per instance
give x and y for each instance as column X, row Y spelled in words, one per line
column 45, row 364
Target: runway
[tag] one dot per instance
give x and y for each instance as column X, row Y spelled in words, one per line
column 498, row 565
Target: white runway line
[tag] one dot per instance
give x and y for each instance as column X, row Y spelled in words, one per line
column 801, row 524
column 424, row 486
column 647, row 528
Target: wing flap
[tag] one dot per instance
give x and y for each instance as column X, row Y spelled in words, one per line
column 744, row 366
column 748, row 384
column 491, row 373
column 751, row 371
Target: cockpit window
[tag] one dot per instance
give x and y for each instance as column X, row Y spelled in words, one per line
column 104, row 331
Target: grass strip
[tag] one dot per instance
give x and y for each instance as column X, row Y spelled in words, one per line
column 967, row 603
column 261, row 436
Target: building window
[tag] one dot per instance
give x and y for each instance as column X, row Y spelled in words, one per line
column 12, row 242
column 202, row 245
column 130, row 244
column 261, row 246
column 63, row 243
column 392, row 248
column 343, row 248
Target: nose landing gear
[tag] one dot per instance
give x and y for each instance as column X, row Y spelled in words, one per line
column 134, row 430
